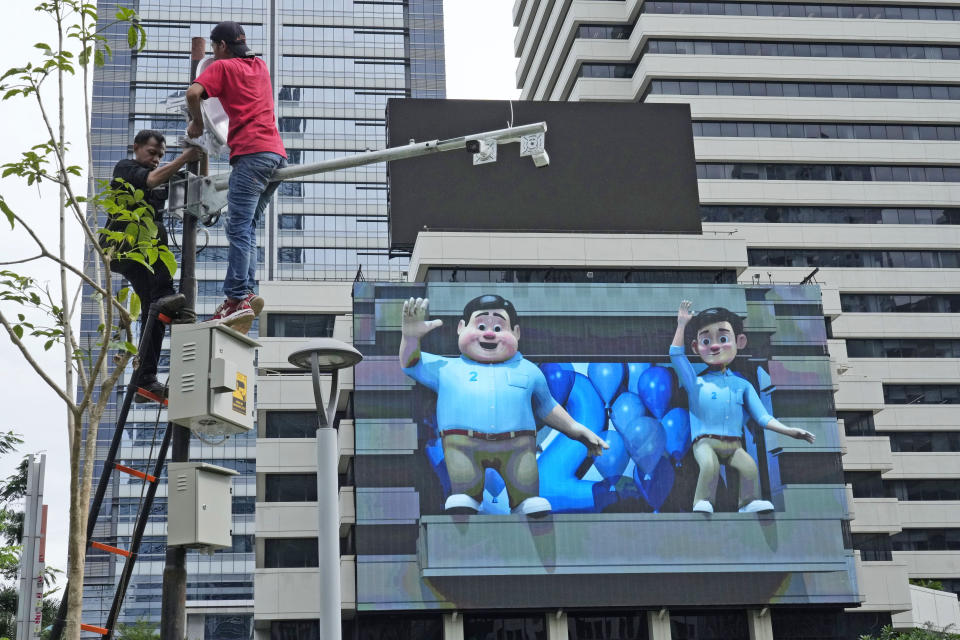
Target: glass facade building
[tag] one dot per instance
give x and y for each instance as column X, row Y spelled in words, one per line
column 334, row 64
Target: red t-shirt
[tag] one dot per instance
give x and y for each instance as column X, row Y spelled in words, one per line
column 243, row 87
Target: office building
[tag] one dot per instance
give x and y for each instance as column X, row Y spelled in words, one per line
column 333, row 65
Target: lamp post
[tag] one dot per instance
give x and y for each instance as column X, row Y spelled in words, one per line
column 327, row 356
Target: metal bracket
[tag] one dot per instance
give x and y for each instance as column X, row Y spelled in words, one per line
column 196, row 196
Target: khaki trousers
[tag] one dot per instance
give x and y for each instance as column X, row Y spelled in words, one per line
column 710, row 454
column 515, row 459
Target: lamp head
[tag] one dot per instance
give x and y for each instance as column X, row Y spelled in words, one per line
column 332, row 355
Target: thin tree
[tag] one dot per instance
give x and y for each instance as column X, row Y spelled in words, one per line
column 38, row 316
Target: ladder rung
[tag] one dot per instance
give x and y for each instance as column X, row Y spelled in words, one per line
column 92, row 629
column 151, row 396
column 135, row 473
column 109, row 549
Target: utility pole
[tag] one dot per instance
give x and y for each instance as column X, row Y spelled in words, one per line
column 31, row 558
column 173, row 605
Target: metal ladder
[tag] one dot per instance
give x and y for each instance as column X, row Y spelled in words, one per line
column 143, row 514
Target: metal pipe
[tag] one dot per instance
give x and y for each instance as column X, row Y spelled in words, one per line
column 412, row 150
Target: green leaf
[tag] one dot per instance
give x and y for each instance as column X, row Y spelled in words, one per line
column 98, row 58
column 18, row 330
column 138, row 257
column 130, row 347
column 122, row 294
column 47, row 345
column 168, row 259
column 134, row 304
column 132, row 36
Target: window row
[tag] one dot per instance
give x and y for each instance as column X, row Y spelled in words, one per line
column 826, row 130
column 383, row 37
column 298, row 424
column 220, row 254
column 361, row 192
column 348, row 96
column 582, row 275
column 334, row 224
column 828, row 215
column 903, row 348
column 290, row 487
column 921, row 394
column 605, row 31
column 784, row 10
column 300, row 325
column 876, row 259
column 909, row 490
column 800, row 49
column 605, row 70
column 900, row 303
column 924, row 441
column 926, row 540
column 857, row 423
column 827, row 172
column 363, row 127
column 797, row 89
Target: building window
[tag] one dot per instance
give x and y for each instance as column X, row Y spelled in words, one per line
column 857, row 423
column 910, row 490
column 900, row 303
column 399, row 627
column 824, row 130
column 295, row 630
column 784, row 10
column 606, row 70
column 873, row 547
column 632, row 626
column 863, row 258
column 291, row 424
column 826, row 172
column 504, row 628
column 924, row 441
column 866, row 484
column 227, row 627
column 799, row 89
column 903, row 348
column 605, row 31
column 300, row 325
column 288, row 553
column 290, row 487
column 921, row 394
column 927, row 540
column 828, row 215
column 710, row 626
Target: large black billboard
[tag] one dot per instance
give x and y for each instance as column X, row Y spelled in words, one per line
column 614, row 168
column 480, row 413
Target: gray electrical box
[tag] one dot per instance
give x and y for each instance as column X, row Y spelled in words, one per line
column 199, row 505
column 211, row 379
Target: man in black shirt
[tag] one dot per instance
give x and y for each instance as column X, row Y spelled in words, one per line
column 144, row 172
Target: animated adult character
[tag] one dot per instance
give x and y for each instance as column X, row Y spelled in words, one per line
column 718, row 399
column 485, row 403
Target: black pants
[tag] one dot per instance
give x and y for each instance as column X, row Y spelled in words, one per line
column 149, row 287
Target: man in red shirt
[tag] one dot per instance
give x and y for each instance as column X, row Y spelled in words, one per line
column 241, row 82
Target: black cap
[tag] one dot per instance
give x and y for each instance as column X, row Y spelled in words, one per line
column 232, row 34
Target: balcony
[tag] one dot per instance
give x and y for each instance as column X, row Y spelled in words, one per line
column 868, row 453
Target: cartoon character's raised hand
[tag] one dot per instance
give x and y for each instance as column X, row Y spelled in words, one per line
column 685, row 313
column 415, row 323
column 802, row 434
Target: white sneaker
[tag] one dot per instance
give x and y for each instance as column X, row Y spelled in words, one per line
column 757, row 506
column 461, row 503
column 535, row 506
column 703, row 506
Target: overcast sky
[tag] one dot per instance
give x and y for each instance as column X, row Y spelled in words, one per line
column 480, row 65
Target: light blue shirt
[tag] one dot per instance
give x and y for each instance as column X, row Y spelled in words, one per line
column 717, row 399
column 489, row 398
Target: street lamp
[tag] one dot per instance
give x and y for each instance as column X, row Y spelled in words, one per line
column 322, row 356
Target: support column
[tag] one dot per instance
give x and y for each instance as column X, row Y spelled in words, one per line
column 658, row 625
column 557, row 628
column 452, row 626
column 760, row 624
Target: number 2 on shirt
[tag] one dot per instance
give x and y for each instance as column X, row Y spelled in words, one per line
column 473, row 377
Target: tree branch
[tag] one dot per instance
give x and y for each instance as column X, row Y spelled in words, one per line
column 33, row 363
column 37, row 257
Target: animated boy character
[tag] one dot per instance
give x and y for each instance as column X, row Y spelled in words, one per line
column 486, row 400
column 718, row 399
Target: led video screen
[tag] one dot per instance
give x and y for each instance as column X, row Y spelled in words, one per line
column 630, row 165
column 542, row 445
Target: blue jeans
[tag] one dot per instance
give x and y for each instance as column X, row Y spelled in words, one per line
column 249, row 193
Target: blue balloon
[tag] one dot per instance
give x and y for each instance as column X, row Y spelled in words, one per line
column 657, row 486
column 634, row 369
column 626, row 408
column 613, row 461
column 606, row 378
column 677, row 425
column 559, row 462
column 493, row 483
column 645, row 439
column 559, row 380
column 655, row 387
